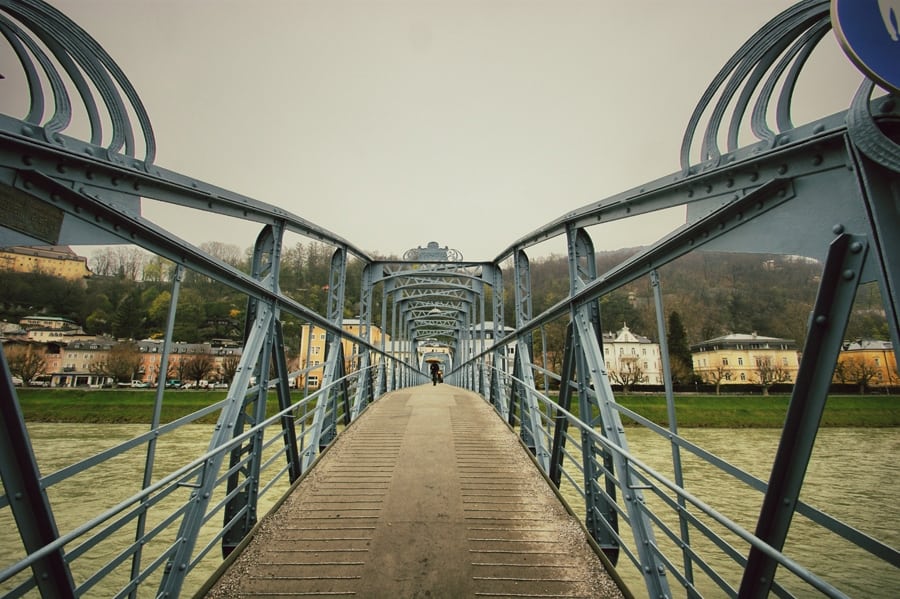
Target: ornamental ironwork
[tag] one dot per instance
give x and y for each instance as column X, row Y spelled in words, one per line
column 433, row 252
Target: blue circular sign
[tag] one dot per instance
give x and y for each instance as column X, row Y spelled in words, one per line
column 869, row 33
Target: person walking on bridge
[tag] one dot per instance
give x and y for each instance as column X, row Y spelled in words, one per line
column 434, row 373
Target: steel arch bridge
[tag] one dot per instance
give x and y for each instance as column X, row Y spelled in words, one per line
column 826, row 189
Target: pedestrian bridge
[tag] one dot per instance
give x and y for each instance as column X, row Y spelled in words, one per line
column 428, row 494
column 417, row 468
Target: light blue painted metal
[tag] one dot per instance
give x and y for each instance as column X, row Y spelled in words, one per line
column 830, row 316
column 240, row 513
column 162, row 380
column 791, row 192
column 30, row 506
column 672, row 416
column 600, row 490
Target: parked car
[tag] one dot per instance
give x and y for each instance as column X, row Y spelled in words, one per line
column 139, row 384
column 17, row 381
column 218, row 386
column 173, row 384
column 40, row 381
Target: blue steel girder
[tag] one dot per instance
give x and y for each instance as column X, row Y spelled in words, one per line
column 876, row 157
column 591, row 355
column 802, row 155
column 671, row 415
column 30, row 505
column 324, row 423
column 830, row 316
column 121, row 183
column 240, row 511
column 104, row 218
column 232, row 410
column 364, row 389
column 599, row 503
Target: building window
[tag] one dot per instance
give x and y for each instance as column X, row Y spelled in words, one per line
column 740, row 361
column 743, row 376
column 784, row 361
column 644, row 351
column 724, row 361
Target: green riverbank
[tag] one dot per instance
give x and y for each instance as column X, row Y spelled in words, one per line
column 725, row 411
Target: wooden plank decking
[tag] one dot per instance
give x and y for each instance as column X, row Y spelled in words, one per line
column 429, row 494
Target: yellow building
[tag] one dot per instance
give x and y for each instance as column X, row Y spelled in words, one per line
column 312, row 349
column 740, row 358
column 57, row 260
column 867, row 363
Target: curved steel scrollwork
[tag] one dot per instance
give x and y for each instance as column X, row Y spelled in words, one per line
column 866, row 135
column 33, row 28
column 774, row 55
column 433, row 253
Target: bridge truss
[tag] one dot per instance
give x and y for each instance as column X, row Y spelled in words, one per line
column 826, row 189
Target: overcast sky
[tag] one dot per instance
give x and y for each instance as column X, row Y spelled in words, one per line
column 397, row 122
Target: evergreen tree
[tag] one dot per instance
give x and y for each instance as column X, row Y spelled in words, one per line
column 679, row 351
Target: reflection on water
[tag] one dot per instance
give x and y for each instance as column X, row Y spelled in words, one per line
column 853, row 476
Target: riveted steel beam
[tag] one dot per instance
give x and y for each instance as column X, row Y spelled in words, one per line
column 830, row 315
column 29, row 503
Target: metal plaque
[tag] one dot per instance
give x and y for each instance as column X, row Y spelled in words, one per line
column 25, row 214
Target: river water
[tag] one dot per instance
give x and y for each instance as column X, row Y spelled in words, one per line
column 854, row 476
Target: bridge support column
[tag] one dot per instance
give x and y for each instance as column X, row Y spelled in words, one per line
column 240, row 511
column 601, row 517
column 325, row 416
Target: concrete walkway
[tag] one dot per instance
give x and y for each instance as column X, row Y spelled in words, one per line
column 429, row 494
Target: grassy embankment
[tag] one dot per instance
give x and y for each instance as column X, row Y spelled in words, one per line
column 136, row 406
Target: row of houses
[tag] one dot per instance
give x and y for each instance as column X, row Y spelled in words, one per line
column 633, row 360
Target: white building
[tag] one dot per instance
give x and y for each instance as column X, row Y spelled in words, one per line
column 632, row 359
column 475, row 347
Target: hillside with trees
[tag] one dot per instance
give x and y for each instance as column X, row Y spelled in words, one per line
column 714, row 294
column 711, row 293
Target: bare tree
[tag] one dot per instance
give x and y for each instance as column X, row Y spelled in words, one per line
column 716, row 376
column 860, row 371
column 229, row 368
column 126, row 262
column 121, row 363
column 768, row 373
column 226, row 252
column 629, row 375
column 198, row 367
column 26, row 361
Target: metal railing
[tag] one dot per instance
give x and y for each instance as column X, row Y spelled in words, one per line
column 130, row 542
column 700, row 550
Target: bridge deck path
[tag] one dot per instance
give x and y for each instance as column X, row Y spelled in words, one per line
column 428, row 494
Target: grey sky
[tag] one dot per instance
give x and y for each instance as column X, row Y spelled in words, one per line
column 397, row 122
